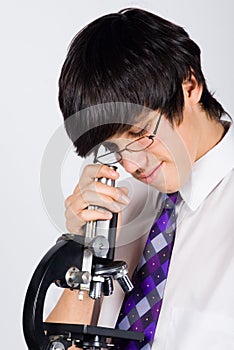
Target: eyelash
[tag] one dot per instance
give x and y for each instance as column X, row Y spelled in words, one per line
column 138, row 134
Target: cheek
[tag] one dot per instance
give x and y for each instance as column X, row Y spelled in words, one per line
column 177, row 141
column 170, row 177
column 189, row 145
column 176, row 165
column 174, row 176
column 174, row 151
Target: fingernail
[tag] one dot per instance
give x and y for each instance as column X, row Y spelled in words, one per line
column 124, row 199
column 113, row 172
column 108, row 214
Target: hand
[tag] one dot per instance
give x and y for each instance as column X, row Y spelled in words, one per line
column 93, row 192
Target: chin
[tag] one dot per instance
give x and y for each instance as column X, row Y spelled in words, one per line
column 166, row 187
column 170, row 180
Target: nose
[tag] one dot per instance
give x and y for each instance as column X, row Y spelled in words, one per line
column 131, row 161
column 129, row 166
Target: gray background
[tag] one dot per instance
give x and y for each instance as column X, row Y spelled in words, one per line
column 34, row 39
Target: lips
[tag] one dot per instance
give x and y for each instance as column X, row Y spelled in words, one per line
column 149, row 177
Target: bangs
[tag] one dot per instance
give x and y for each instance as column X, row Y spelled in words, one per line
column 90, row 127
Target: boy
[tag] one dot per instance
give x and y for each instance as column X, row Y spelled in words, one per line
column 132, row 82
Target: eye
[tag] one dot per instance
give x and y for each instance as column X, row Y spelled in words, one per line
column 139, row 131
column 138, row 134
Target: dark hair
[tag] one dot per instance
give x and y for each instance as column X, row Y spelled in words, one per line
column 125, row 59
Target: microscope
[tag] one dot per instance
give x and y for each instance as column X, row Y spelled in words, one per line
column 85, row 263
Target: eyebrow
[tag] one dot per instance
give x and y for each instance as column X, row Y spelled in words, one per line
column 140, row 128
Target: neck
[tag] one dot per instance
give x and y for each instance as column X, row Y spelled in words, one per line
column 211, row 132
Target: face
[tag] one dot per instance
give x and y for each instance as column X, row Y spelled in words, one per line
column 167, row 163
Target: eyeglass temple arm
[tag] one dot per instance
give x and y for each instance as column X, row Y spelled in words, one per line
column 157, row 125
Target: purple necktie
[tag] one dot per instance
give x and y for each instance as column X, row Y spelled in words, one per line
column 141, row 307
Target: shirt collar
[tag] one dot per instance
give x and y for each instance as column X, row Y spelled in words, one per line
column 209, row 170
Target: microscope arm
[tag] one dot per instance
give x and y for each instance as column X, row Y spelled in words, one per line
column 52, row 268
column 39, row 335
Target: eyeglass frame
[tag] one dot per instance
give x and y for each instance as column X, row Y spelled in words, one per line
column 150, row 137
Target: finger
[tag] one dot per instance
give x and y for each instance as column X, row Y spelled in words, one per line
column 73, row 226
column 75, row 223
column 115, row 193
column 93, row 171
column 98, row 194
column 125, row 190
column 98, row 199
column 93, row 215
column 68, row 201
column 74, row 229
column 87, row 214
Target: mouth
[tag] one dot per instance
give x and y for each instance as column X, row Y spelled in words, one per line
column 148, row 178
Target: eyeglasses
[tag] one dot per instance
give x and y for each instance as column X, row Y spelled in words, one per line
column 137, row 145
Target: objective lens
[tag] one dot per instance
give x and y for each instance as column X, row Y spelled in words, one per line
column 108, row 286
column 125, row 283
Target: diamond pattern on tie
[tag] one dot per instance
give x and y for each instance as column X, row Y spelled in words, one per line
column 140, row 309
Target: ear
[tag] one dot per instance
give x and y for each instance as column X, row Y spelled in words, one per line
column 192, row 90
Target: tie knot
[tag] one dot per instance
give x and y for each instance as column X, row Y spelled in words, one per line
column 170, row 199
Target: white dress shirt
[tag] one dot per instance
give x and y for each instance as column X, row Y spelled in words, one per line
column 198, row 305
